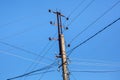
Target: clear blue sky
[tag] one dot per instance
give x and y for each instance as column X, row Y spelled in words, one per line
column 25, row 24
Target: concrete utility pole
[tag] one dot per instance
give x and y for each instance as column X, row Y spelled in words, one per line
column 62, row 52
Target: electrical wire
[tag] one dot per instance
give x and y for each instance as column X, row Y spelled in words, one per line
column 74, row 10
column 29, row 73
column 38, row 59
column 19, row 33
column 21, row 57
column 70, row 51
column 91, row 60
column 18, row 20
column 41, row 76
column 73, row 76
column 93, row 71
column 76, row 7
column 94, row 62
column 80, row 13
column 12, row 22
column 108, row 10
column 44, row 54
column 15, row 47
column 41, row 73
column 21, row 49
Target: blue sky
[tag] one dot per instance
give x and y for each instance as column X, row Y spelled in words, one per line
column 25, row 24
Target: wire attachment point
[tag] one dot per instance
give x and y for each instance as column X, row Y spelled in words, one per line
column 69, row 45
column 50, row 39
column 49, row 10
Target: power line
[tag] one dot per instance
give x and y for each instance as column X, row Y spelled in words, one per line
column 10, row 45
column 73, row 76
column 95, row 21
column 92, row 60
column 24, row 50
column 70, row 51
column 80, row 13
column 76, row 7
column 39, row 59
column 111, row 71
column 18, row 33
column 39, row 55
column 41, row 73
column 29, row 73
column 44, row 74
column 41, row 76
column 44, row 54
column 21, row 57
column 18, row 20
column 94, row 63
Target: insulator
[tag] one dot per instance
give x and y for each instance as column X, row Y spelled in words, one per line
column 50, row 38
column 67, row 28
column 49, row 10
column 67, row 18
column 68, row 45
column 51, row 22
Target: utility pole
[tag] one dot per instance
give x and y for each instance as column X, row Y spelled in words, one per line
column 62, row 52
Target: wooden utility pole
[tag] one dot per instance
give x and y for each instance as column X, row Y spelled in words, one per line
column 62, row 52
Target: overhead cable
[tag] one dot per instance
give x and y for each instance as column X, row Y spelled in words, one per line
column 29, row 73
column 19, row 48
column 80, row 13
column 76, row 7
column 19, row 33
column 41, row 73
column 70, row 51
column 21, row 57
column 13, row 46
column 44, row 52
column 93, row 71
column 108, row 10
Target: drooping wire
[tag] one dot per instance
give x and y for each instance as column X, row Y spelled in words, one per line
column 29, row 73
column 80, row 13
column 43, row 56
column 108, row 10
column 41, row 59
column 44, row 52
column 70, row 51
column 41, row 73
